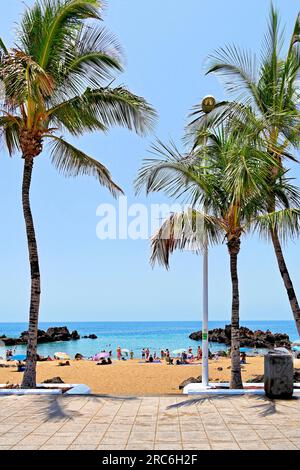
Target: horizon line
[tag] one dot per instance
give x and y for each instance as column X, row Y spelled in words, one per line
column 142, row 321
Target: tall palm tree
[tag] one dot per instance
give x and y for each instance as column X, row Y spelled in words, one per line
column 266, row 99
column 58, row 79
column 227, row 177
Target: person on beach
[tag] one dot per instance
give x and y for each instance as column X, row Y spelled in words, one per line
column 119, row 353
column 162, row 354
column 199, row 353
column 243, row 358
column 9, row 354
column 143, row 354
column 147, row 354
column 151, row 358
column 154, row 355
column 131, row 354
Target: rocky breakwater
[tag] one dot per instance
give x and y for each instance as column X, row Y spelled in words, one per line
column 248, row 338
column 50, row 336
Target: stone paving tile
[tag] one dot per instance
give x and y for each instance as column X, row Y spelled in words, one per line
column 193, row 436
column 11, row 439
column 115, row 438
column 147, row 423
column 168, row 446
column 202, row 445
column 296, row 442
column 33, row 439
column 167, row 436
column 219, row 436
column 61, row 439
column 291, row 432
column 140, row 446
column 142, row 436
column 89, row 438
column 253, row 445
column 244, row 436
column 82, row 447
column 54, row 447
column 279, row 444
column 111, row 447
column 224, row 446
column 269, row 432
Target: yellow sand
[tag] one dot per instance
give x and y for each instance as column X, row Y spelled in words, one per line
column 133, row 378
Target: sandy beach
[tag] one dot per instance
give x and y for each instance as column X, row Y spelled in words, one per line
column 132, row 377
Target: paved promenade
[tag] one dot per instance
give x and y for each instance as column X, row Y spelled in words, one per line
column 147, row 423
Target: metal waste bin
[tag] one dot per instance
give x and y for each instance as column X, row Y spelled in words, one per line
column 279, row 374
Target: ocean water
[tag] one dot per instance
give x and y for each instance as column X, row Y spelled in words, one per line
column 136, row 335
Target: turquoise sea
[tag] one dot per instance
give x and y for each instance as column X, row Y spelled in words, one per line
column 136, row 335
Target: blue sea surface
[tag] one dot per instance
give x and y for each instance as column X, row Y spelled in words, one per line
column 136, row 335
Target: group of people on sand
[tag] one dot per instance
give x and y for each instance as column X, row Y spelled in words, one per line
column 123, row 355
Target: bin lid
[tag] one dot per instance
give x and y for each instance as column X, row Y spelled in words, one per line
column 280, row 351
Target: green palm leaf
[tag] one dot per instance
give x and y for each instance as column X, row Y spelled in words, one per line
column 103, row 108
column 73, row 162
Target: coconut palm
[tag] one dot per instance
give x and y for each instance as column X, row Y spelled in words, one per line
column 265, row 98
column 58, row 79
column 227, row 177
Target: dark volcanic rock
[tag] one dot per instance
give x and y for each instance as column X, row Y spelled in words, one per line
column 190, row 380
column 79, row 357
column 59, row 333
column 93, row 336
column 74, row 335
column 248, row 338
column 54, row 380
column 49, row 336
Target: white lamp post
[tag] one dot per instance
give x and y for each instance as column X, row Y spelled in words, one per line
column 208, row 104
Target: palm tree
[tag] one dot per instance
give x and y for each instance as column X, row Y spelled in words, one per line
column 58, row 79
column 227, row 178
column 265, row 98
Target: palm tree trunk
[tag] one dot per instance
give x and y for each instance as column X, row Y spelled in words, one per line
column 236, row 376
column 286, row 278
column 29, row 378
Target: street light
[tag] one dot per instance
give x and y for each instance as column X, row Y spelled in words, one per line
column 208, row 104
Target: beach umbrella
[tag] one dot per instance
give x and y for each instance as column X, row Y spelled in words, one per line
column 101, row 355
column 18, row 357
column 62, row 356
column 178, row 351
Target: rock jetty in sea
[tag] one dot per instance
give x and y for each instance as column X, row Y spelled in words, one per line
column 93, row 336
column 60, row 333
column 248, row 338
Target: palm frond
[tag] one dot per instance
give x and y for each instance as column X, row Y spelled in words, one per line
column 10, row 132
column 73, row 162
column 172, row 172
column 3, row 48
column 50, row 26
column 103, row 108
column 190, row 230
column 285, row 222
column 94, row 59
column 237, row 70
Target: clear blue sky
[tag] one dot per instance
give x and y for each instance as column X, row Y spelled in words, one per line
column 166, row 43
